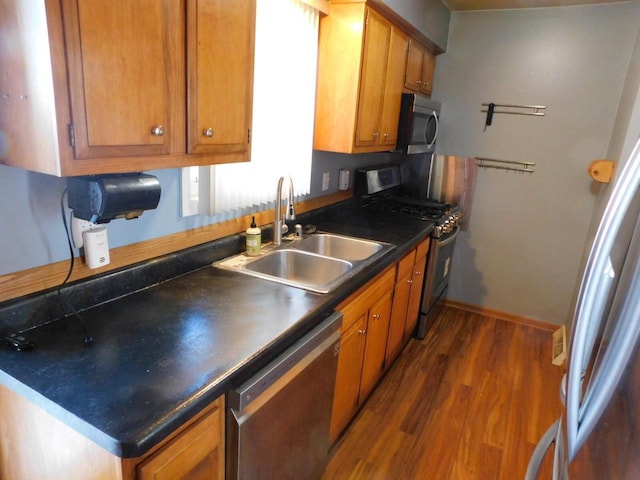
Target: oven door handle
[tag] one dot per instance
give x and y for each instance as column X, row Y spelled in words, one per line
column 450, row 238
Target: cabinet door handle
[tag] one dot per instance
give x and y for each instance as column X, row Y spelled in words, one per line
column 158, row 131
column 362, row 332
column 386, row 135
column 376, row 135
column 419, row 82
column 376, row 316
column 207, row 132
column 409, row 282
column 418, row 273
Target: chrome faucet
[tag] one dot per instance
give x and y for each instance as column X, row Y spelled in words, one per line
column 279, row 226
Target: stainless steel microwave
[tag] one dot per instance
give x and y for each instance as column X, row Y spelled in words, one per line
column 418, row 125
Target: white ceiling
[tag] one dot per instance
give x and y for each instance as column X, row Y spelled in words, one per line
column 501, row 4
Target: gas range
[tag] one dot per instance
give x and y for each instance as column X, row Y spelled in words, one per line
column 381, row 189
column 445, row 216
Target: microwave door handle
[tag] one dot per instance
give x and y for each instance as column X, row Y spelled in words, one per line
column 435, row 135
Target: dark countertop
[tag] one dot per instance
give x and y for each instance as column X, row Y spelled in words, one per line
column 162, row 354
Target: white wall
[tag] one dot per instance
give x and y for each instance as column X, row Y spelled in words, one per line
column 523, row 251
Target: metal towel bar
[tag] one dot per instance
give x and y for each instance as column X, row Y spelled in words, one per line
column 529, row 109
column 514, row 166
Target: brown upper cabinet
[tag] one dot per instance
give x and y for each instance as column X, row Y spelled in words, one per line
column 126, row 86
column 220, row 54
column 361, row 64
column 421, row 65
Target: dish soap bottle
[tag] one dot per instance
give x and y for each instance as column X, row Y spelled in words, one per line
column 254, row 239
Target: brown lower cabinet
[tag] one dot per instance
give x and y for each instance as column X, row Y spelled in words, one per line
column 33, row 444
column 415, row 294
column 399, row 311
column 378, row 321
column 365, row 326
column 197, row 453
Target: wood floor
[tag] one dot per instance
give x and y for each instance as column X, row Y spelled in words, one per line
column 470, row 401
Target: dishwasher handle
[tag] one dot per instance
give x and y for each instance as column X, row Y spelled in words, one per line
column 239, row 398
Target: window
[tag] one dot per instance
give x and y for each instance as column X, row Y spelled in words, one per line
column 283, row 116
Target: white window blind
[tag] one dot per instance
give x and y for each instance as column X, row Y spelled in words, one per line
column 283, row 116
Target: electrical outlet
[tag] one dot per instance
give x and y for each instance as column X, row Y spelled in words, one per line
column 77, row 227
column 325, row 181
column 343, row 179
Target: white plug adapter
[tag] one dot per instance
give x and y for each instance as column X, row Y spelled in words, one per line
column 96, row 247
column 78, row 226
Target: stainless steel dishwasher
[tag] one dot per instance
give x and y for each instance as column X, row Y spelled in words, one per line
column 278, row 421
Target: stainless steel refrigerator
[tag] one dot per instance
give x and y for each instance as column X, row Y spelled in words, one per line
column 598, row 435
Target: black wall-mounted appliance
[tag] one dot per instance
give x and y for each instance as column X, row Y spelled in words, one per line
column 102, row 198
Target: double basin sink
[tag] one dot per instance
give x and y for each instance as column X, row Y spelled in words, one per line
column 319, row 262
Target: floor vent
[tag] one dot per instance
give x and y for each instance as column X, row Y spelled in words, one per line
column 559, row 346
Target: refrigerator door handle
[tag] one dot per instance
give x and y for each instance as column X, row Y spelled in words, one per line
column 540, row 453
column 605, row 380
column 589, row 307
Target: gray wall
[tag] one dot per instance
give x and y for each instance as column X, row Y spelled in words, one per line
column 32, row 232
column 523, row 251
column 431, row 17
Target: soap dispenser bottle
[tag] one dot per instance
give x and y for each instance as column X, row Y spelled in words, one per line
column 254, row 239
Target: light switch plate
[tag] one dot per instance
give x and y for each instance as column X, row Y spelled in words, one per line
column 343, row 181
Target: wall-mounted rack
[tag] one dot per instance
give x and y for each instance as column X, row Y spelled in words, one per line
column 493, row 108
column 510, row 165
column 535, row 110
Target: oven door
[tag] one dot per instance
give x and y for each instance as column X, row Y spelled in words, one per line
column 436, row 280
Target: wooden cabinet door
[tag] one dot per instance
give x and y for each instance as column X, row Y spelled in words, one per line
column 415, row 296
column 428, row 71
column 345, row 399
column 125, row 72
column 413, row 72
column 374, row 66
column 402, row 289
column 220, row 39
column 398, row 318
column 195, row 454
column 393, row 82
column 376, row 345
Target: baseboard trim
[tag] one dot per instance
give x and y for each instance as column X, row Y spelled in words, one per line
column 24, row 282
column 509, row 317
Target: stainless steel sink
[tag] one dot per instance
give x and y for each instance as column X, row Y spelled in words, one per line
column 318, row 263
column 338, row 246
column 299, row 268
